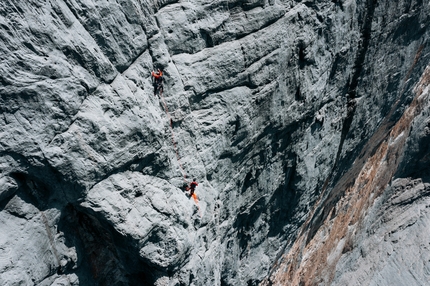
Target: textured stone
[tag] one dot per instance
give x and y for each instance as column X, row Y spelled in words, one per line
column 304, row 122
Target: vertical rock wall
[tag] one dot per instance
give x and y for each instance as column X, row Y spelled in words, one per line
column 301, row 120
column 367, row 227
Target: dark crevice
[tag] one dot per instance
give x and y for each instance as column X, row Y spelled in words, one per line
column 338, row 3
column 4, row 81
column 44, row 181
column 298, row 95
column 251, row 179
column 199, row 97
column 76, row 55
column 366, row 29
column 409, row 29
column 124, row 68
column 33, row 49
column 303, row 61
column 151, row 164
column 245, row 5
column 207, row 38
column 244, row 224
column 106, row 256
column 242, row 49
column 310, row 4
column 425, row 193
column 87, row 88
column 237, row 125
column 232, row 5
column 160, row 4
column 36, row 192
column 155, row 63
column 284, row 200
column 339, row 61
column 265, row 25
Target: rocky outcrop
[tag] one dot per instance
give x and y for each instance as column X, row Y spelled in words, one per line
column 304, row 122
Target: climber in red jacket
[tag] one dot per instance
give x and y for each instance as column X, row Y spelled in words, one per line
column 157, row 81
column 193, row 186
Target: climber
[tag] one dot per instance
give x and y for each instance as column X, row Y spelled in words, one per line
column 193, row 186
column 157, row 81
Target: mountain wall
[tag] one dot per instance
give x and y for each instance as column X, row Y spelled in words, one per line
column 305, row 123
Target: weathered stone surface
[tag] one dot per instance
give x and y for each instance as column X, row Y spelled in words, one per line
column 347, row 224
column 304, row 122
column 393, row 249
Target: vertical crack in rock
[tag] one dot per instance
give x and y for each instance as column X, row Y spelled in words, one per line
column 324, row 208
column 350, row 108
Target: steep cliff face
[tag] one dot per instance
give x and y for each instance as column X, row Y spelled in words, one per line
column 304, row 122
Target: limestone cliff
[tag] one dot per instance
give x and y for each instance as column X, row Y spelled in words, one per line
column 306, row 124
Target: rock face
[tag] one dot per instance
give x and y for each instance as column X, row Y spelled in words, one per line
column 304, row 122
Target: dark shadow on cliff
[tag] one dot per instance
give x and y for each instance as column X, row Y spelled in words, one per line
column 105, row 257
column 416, row 160
column 44, row 183
column 284, row 202
column 278, row 208
column 346, row 168
column 349, row 167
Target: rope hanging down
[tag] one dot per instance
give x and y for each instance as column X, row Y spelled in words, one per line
column 158, row 86
column 173, row 137
column 194, row 196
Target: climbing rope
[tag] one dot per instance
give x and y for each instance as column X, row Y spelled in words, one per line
column 194, row 196
column 175, row 147
column 173, row 137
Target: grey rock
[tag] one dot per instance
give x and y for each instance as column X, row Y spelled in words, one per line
column 8, row 186
column 393, row 248
column 278, row 108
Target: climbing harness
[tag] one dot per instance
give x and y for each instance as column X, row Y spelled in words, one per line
column 158, row 88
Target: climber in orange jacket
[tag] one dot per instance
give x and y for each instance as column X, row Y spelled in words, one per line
column 157, row 81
